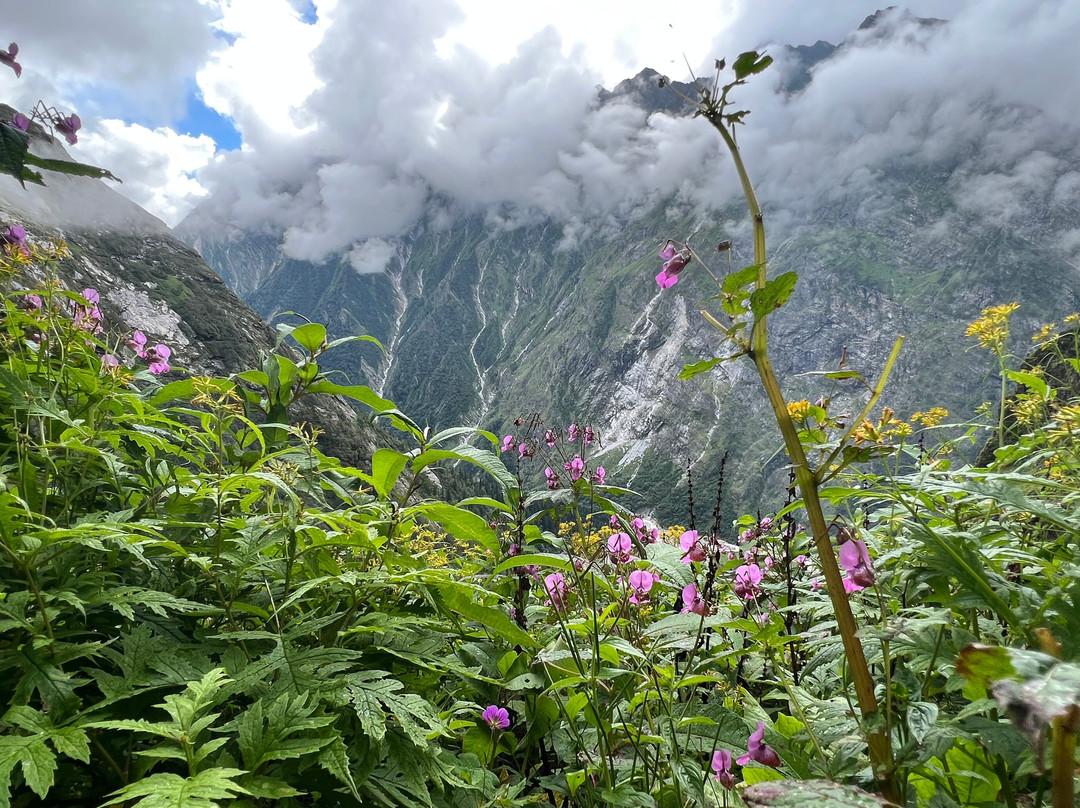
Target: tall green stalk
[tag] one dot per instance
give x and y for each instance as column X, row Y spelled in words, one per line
column 878, row 742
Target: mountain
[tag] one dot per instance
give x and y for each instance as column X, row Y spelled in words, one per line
column 487, row 317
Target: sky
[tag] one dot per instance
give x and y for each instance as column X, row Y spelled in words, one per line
column 343, row 122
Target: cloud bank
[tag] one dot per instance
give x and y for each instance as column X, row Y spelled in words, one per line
column 395, row 126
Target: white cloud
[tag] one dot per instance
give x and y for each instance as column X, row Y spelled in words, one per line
column 158, row 166
column 266, row 72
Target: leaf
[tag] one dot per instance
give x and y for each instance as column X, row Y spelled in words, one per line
column 800, row 793
column 1029, row 380
column 737, row 280
column 334, row 758
column 13, row 144
column 463, row 600
column 773, row 294
column 750, row 63
column 70, row 167
column 690, row 371
column 164, row 790
column 459, row 523
column 310, row 336
column 386, row 467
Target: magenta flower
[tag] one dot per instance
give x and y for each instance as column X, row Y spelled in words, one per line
column 8, row 57
column 158, row 357
column 747, row 581
column 549, row 438
column 68, row 127
column 675, row 260
column 552, row 478
column 32, row 302
column 598, row 475
column 91, row 296
column 572, row 432
column 693, row 602
column 108, row 361
column 721, row 764
column 576, row 467
column 855, row 558
column 508, row 443
column 802, row 560
column 20, row 122
column 758, row 750
column 641, row 581
column 524, row 450
column 692, row 549
column 137, row 343
column 14, row 235
column 765, row 524
column 620, row 548
column 555, row 586
column 496, row 717
column 590, row 436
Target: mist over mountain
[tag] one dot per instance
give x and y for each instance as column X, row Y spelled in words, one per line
column 497, row 227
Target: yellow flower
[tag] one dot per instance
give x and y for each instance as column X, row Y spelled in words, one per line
column 799, row 410
column 1045, row 334
column 992, row 327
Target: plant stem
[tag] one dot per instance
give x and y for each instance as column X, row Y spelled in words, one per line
column 880, row 747
column 1064, row 753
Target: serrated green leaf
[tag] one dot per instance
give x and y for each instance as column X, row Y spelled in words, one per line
column 165, row 790
column 773, row 294
column 462, row 599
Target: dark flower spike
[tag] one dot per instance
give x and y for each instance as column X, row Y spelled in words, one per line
column 8, row 58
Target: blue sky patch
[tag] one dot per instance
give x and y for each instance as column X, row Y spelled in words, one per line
column 201, row 120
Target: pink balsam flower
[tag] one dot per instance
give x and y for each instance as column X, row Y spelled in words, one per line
column 496, row 717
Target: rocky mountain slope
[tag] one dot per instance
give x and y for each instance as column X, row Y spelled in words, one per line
column 484, row 320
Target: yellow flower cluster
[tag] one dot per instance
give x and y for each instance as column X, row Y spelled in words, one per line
column 1045, row 335
column 888, row 426
column 992, row 327
column 932, row 417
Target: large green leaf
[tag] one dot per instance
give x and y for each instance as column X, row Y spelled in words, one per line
column 70, row 167
column 459, row 523
column 462, row 599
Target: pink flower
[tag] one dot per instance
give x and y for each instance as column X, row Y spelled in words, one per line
column 524, row 450
column 20, row 122
column 757, row 749
column 109, row 361
column 768, row 562
column 641, row 581
column 614, row 520
column 850, row 586
column 692, row 549
column 14, row 235
column 8, row 57
column 572, row 432
column 508, row 443
column 590, row 436
column 68, row 127
column 619, row 548
column 496, row 717
column 765, row 524
column 158, row 357
column 815, row 584
column 137, row 343
column 552, row 478
column 721, row 764
column 855, row 558
column 32, row 302
column 549, row 438
column 598, row 475
column 555, row 586
column 747, row 581
column 576, row 467
column 748, row 535
column 802, row 560
column 675, row 260
column 693, row 602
